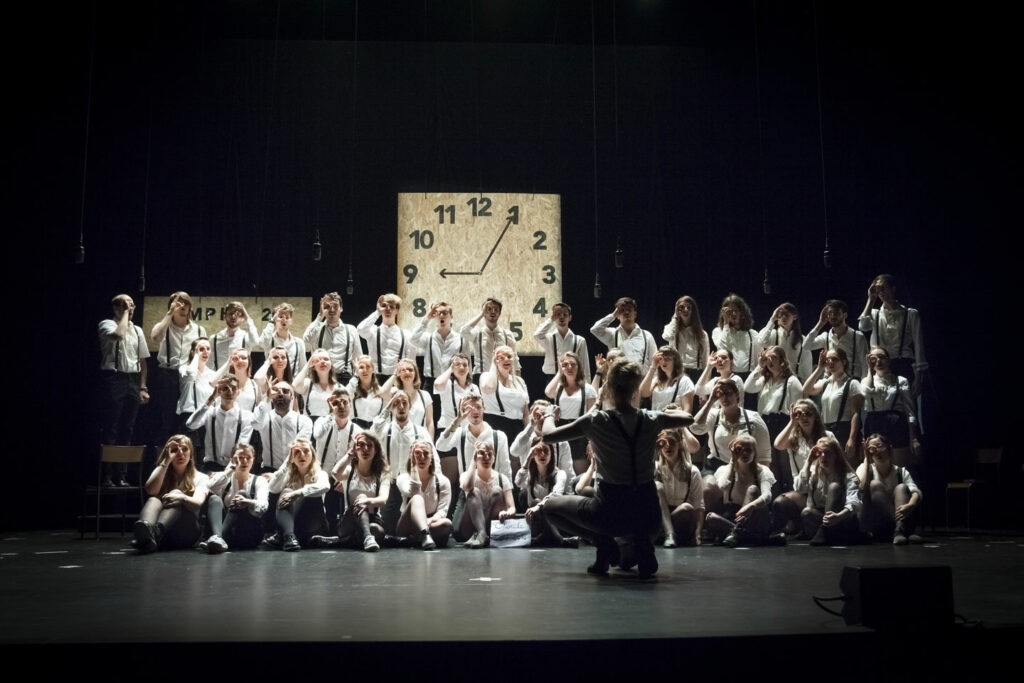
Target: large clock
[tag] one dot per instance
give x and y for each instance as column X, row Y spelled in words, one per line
column 463, row 248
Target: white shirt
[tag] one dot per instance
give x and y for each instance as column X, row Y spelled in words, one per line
column 314, row 396
column 521, row 445
column 774, row 397
column 277, row 432
column 418, row 409
column 507, row 401
column 451, row 399
column 437, row 351
column 638, row 345
column 387, row 344
column 174, row 343
column 816, row 497
column 222, row 344
column 355, row 484
column 464, row 443
column 799, row 453
column 539, row 491
column 832, row 399
column 888, row 327
column 122, row 355
column 317, row 488
column 364, row 408
column 225, row 485
column 436, row 492
column 554, row 344
column 193, row 388
column 673, row 393
column 850, row 339
column 724, row 432
column 295, row 347
column 482, row 342
column 889, row 396
column 744, row 344
column 341, row 343
column 897, row 475
column 332, row 442
column 738, row 494
column 799, row 358
column 681, row 486
column 574, row 405
column 224, row 430
column 397, row 442
column 685, row 344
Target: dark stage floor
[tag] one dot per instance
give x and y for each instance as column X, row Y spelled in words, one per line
column 57, row 589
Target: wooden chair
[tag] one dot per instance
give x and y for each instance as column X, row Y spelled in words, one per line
column 126, row 455
column 986, row 474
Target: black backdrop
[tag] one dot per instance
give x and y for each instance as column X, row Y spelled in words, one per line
column 252, row 143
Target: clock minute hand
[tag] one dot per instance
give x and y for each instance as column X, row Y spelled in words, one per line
column 508, row 224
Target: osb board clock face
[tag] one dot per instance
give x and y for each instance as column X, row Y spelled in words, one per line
column 464, row 247
column 208, row 311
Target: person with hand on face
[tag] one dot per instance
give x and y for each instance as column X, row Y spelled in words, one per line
column 469, row 429
column 426, row 497
column 453, row 385
column 783, row 329
column 387, row 342
column 333, row 435
column 236, row 504
column 842, row 398
column 364, row 482
column 685, row 334
column 538, row 479
column 484, row 341
column 315, row 383
column 665, row 382
column 636, row 343
column 560, row 340
column 897, row 329
column 680, row 488
column 123, row 354
column 561, row 451
column 173, row 335
column 196, row 380
column 722, row 418
column 891, row 410
column 327, row 331
column 397, row 433
column 625, row 502
column 840, row 336
column 573, row 396
column 367, row 398
column 797, row 439
column 601, row 364
column 170, row 516
column 440, row 346
column 407, row 379
column 223, row 427
column 777, row 389
column 738, row 505
column 279, row 424
column 721, row 362
column 240, row 367
column 299, row 485
column 891, row 498
column 276, row 366
column 233, row 336
column 486, row 495
column 833, row 496
column 733, row 333
column 279, row 333
column 505, row 393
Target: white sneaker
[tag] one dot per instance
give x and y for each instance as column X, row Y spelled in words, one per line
column 215, row 545
column 370, row 544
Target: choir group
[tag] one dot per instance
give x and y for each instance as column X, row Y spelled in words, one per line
column 339, row 441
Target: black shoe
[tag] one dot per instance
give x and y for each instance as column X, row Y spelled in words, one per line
column 324, row 542
column 291, row 544
column 731, row 541
column 627, row 556
column 427, row 541
column 606, row 557
column 393, row 541
column 777, row 539
column 819, row 537
column 571, row 542
column 272, row 542
column 647, row 563
column 145, row 537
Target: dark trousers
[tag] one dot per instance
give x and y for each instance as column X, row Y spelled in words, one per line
column 119, row 405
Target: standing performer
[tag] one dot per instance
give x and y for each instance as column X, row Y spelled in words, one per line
column 626, row 500
column 327, row 331
column 485, row 340
column 387, row 342
column 783, row 329
column 561, row 340
column 173, row 335
column 636, row 343
column 897, row 329
column 734, row 334
column 840, row 336
column 685, row 333
column 123, row 354
column 279, row 333
column 439, row 348
column 233, row 336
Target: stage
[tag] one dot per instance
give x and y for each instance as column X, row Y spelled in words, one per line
column 58, row 589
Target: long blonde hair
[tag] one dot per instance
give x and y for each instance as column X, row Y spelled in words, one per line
column 296, row 479
column 187, row 483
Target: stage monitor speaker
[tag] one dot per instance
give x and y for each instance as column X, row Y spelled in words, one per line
column 896, row 597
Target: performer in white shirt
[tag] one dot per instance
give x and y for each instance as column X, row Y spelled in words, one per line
column 636, row 343
column 733, row 333
column 223, row 427
column 279, row 333
column 783, row 329
column 426, row 497
column 173, row 335
column 484, row 340
column 397, row 433
column 554, row 336
column 891, row 506
column 386, row 342
column 170, row 516
column 236, row 504
column 680, row 488
column 279, row 424
column 897, row 329
column 233, row 336
column 685, row 333
column 315, row 383
column 299, row 485
column 840, row 336
column 327, row 331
